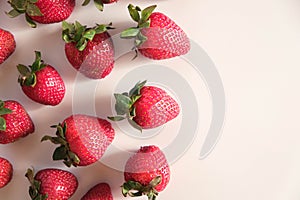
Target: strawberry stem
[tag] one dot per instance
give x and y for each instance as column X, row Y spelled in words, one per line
column 35, row 185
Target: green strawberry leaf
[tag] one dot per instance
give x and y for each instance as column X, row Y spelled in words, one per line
column 4, row 111
column 33, row 10
column 134, row 13
column 2, row 124
column 30, row 22
column 23, row 70
column 89, row 34
column 13, row 13
column 136, row 90
column 99, row 4
column 86, row 2
column 33, row 1
column 116, row 118
column 130, row 32
column 145, row 14
column 123, row 104
column 135, row 125
column 19, row 5
column 60, row 153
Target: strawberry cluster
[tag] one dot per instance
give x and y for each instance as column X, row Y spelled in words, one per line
column 83, row 139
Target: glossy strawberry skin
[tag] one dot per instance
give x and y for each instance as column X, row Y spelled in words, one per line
column 146, row 164
column 6, row 172
column 96, row 61
column 88, row 137
column 154, row 108
column 57, row 183
column 7, row 44
column 18, row 123
column 100, row 191
column 165, row 39
column 53, row 10
column 49, row 88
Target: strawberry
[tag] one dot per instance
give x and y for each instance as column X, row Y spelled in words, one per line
column 99, row 3
column 14, row 122
column 7, row 44
column 83, row 139
column 156, row 35
column 51, row 184
column 145, row 107
column 101, row 191
column 147, row 172
column 6, row 172
column 89, row 50
column 41, row 82
column 42, row 11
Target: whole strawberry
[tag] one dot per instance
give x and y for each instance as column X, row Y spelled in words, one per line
column 83, row 139
column 6, row 172
column 51, row 184
column 7, row 44
column 89, row 50
column 147, row 172
column 15, row 122
column 156, row 35
column 99, row 3
column 145, row 107
column 41, row 82
column 101, row 191
column 42, row 11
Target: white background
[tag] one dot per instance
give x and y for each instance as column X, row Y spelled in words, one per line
column 254, row 45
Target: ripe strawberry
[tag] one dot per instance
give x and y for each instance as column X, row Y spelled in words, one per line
column 156, row 36
column 7, row 44
column 6, row 172
column 147, row 172
column 145, row 107
column 83, row 139
column 89, row 50
column 42, row 11
column 99, row 3
column 41, row 82
column 14, row 122
column 51, row 184
column 100, row 191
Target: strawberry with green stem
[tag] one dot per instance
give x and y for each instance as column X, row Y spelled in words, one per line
column 89, row 50
column 82, row 139
column 42, row 11
column 41, row 82
column 99, row 3
column 15, row 122
column 156, row 36
column 147, row 172
column 51, row 184
column 145, row 107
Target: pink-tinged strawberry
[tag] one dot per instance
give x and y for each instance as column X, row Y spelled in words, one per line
column 51, row 184
column 83, row 139
column 15, row 122
column 99, row 3
column 101, row 191
column 42, row 11
column 147, row 172
column 6, row 172
column 145, row 107
column 41, row 82
column 156, row 35
column 7, row 44
column 89, row 50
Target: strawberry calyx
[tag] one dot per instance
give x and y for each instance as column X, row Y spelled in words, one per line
column 3, row 111
column 142, row 18
column 62, row 152
column 35, row 186
column 27, row 7
column 27, row 73
column 124, row 105
column 98, row 3
column 136, row 189
column 76, row 32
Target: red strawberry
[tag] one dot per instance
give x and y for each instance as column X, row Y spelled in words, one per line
column 42, row 11
column 156, row 36
column 51, row 184
column 6, row 172
column 99, row 3
column 83, row 139
column 14, row 122
column 41, row 82
column 100, row 191
column 145, row 107
column 89, row 50
column 147, row 172
column 7, row 45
